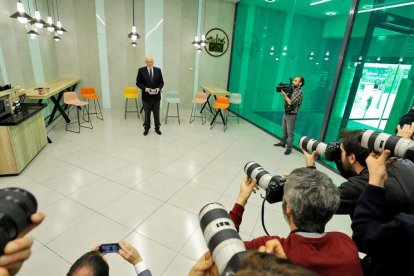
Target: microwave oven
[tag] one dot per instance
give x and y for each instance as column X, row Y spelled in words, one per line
column 4, row 106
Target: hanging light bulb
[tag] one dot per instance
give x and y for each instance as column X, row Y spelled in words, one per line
column 20, row 15
column 284, row 52
column 326, row 58
column 203, row 41
column 199, row 49
column 133, row 35
column 196, row 42
column 50, row 27
column 311, row 55
column 58, row 28
column 134, row 44
column 56, row 37
column 37, row 20
column 33, row 33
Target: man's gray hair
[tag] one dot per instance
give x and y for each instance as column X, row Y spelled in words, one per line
column 313, row 197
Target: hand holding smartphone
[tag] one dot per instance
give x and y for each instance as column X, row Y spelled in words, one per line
column 109, row 248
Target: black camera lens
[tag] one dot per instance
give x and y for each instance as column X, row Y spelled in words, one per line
column 16, row 207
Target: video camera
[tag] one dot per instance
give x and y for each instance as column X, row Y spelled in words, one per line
column 273, row 185
column 287, row 87
column 16, row 207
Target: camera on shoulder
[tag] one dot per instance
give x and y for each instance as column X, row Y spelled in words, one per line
column 287, row 87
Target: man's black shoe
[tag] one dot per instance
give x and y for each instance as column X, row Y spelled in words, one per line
column 288, row 151
column 146, row 132
column 158, row 131
column 280, row 144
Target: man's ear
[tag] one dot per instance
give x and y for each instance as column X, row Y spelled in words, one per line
column 288, row 209
column 352, row 159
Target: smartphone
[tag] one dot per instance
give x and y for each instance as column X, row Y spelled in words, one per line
column 109, row 248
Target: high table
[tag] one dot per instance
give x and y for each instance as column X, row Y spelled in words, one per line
column 215, row 91
column 54, row 90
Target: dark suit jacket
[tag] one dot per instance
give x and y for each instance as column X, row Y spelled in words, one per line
column 144, row 81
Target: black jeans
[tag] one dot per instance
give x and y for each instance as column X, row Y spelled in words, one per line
column 153, row 106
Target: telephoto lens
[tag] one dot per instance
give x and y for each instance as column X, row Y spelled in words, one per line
column 330, row 152
column 16, row 207
column 378, row 141
column 273, row 184
column 222, row 238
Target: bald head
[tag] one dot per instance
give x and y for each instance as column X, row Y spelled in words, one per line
column 149, row 61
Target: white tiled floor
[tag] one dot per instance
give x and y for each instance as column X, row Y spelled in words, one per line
column 112, row 183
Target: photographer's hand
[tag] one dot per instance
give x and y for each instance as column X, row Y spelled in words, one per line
column 286, row 98
column 310, row 158
column 377, row 167
column 406, row 131
column 129, row 253
column 15, row 253
column 204, row 266
column 273, row 247
column 246, row 188
column 36, row 219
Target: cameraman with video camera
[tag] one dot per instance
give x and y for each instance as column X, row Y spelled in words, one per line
column 292, row 97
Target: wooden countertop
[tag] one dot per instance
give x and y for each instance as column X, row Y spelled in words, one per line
column 54, row 86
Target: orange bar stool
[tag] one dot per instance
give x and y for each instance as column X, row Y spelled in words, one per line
column 235, row 99
column 88, row 92
column 200, row 98
column 71, row 99
column 131, row 92
column 221, row 105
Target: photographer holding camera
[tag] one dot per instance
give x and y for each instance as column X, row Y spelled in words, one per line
column 309, row 201
column 292, row 97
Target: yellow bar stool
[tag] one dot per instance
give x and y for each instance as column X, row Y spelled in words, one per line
column 131, row 92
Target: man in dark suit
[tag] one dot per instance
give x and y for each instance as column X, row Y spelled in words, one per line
column 150, row 81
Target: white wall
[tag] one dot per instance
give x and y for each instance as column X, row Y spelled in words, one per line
column 77, row 53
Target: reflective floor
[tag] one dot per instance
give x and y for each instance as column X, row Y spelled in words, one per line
column 113, row 183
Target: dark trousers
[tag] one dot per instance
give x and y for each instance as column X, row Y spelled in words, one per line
column 153, row 106
column 288, row 125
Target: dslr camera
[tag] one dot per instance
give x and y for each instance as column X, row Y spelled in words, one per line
column 287, row 87
column 273, row 185
column 330, row 151
column 378, row 141
column 222, row 238
column 16, row 207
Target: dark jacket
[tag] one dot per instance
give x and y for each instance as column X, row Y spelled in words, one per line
column 388, row 242
column 399, row 190
column 144, row 81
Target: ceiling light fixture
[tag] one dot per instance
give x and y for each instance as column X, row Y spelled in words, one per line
column 37, row 20
column 50, row 26
column 318, row 2
column 133, row 35
column 56, row 37
column 199, row 44
column 20, row 15
column 387, row 7
column 59, row 28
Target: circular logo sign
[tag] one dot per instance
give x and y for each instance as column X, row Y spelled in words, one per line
column 218, row 42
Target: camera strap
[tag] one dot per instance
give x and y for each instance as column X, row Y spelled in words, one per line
column 263, row 224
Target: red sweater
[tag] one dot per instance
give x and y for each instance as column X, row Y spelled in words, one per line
column 332, row 254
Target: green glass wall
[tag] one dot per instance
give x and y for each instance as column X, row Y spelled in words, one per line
column 375, row 87
column 279, row 40
column 285, row 38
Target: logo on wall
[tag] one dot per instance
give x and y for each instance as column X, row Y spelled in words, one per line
column 218, row 42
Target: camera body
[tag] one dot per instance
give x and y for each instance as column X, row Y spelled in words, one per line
column 16, row 207
column 287, row 87
column 273, row 185
column 222, row 238
column 378, row 141
column 330, row 151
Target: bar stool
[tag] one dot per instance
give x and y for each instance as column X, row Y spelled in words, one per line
column 235, row 99
column 172, row 97
column 88, row 92
column 131, row 92
column 72, row 100
column 221, row 104
column 200, row 98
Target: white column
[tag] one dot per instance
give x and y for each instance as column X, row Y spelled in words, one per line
column 154, row 20
column 3, row 70
column 103, row 52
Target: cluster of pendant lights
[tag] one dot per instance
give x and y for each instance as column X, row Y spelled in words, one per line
column 37, row 22
column 199, row 44
column 133, row 35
